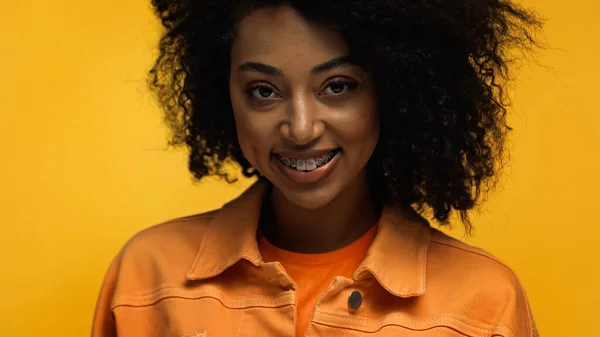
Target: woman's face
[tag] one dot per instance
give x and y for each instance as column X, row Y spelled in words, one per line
column 306, row 118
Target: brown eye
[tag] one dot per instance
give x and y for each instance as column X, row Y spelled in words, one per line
column 337, row 87
column 340, row 87
column 264, row 92
column 260, row 92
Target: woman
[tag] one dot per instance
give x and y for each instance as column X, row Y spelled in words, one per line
column 359, row 118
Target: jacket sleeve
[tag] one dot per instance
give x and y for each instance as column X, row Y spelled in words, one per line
column 524, row 317
column 517, row 317
column 104, row 323
column 532, row 327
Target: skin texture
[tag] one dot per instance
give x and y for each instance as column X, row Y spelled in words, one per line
column 300, row 110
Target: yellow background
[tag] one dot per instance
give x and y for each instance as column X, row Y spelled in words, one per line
column 84, row 164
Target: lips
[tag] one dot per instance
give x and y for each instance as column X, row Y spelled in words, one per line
column 306, row 154
column 308, row 166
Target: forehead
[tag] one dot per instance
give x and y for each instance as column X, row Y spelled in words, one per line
column 281, row 36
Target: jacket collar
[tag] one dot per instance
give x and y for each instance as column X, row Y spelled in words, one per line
column 397, row 258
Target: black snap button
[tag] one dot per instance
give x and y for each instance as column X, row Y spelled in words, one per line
column 355, row 300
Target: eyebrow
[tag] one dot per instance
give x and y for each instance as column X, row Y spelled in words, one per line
column 273, row 71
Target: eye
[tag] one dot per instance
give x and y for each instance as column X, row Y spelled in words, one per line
column 340, row 87
column 260, row 92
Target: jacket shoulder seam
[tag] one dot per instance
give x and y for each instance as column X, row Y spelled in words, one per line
column 473, row 251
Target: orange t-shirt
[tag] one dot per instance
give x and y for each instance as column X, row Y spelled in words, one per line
column 313, row 273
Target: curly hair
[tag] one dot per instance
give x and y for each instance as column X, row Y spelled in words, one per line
column 439, row 68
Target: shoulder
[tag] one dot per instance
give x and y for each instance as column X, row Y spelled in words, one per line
column 482, row 288
column 170, row 237
column 445, row 250
column 159, row 257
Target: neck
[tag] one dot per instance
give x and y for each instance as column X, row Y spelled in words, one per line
column 333, row 226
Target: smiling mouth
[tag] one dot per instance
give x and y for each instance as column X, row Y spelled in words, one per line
column 308, row 164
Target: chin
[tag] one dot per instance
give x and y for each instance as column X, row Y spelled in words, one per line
column 310, row 199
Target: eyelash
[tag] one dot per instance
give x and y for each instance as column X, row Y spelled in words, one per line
column 350, row 86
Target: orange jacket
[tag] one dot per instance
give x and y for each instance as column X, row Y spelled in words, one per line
column 203, row 276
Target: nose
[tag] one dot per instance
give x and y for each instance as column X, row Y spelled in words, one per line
column 303, row 122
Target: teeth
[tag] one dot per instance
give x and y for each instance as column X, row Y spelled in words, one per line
column 301, row 165
column 308, row 164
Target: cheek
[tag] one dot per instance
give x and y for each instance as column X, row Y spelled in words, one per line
column 362, row 126
column 253, row 135
column 247, row 135
column 371, row 121
column 243, row 127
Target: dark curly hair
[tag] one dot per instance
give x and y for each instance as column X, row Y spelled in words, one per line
column 439, row 68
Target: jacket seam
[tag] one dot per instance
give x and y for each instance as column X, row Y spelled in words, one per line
column 437, row 321
column 201, row 248
column 473, row 251
column 177, row 292
column 192, row 217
